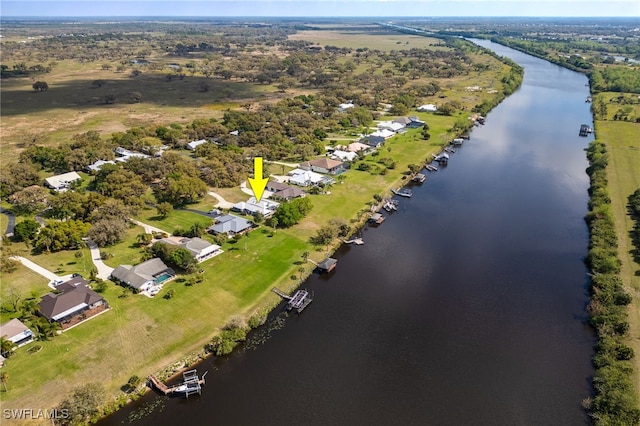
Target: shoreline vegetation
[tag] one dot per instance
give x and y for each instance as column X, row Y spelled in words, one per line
column 244, row 307
column 614, row 167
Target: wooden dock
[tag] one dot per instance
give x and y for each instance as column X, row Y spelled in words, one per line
column 376, row 218
column 420, row 177
column 431, row 168
column 191, row 384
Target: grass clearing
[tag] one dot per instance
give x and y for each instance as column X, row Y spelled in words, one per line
column 374, row 40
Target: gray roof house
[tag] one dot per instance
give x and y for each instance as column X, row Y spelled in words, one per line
column 16, row 332
column 145, row 275
column 230, row 225
column 73, row 302
column 199, row 248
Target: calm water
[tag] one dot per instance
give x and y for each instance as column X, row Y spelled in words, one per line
column 466, row 307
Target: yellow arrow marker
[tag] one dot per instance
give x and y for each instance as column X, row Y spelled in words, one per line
column 257, row 182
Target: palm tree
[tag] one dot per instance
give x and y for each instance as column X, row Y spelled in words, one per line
column 4, row 378
column 6, row 347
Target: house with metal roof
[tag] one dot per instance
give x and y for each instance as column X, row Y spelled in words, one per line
column 230, row 225
column 144, row 276
column 62, row 182
column 324, row 165
column 16, row 332
column 199, row 248
column 71, row 303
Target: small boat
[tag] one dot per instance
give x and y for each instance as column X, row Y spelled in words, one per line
column 405, row 192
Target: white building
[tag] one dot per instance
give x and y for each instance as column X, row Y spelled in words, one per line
column 383, row 133
column 390, row 125
column 199, row 248
column 344, row 155
column 194, row 144
column 427, row 108
column 265, row 207
column 61, row 182
column 305, row 177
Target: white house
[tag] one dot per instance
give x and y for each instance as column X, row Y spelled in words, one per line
column 265, row 207
column 125, row 154
column 305, row 177
column 16, row 332
column 390, row 125
column 344, row 155
column 95, row 167
column 194, row 144
column 345, row 106
column 383, row 133
column 199, row 248
column 61, row 182
column 427, row 108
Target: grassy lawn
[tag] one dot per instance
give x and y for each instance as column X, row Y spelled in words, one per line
column 127, row 251
column 177, row 219
column 623, row 173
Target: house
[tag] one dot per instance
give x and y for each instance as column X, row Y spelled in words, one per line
column 230, row 225
column 373, row 141
column 283, row 191
column 405, row 121
column 358, row 146
column 344, row 155
column 252, row 206
column 324, row 165
column 345, row 106
column 145, row 276
column 72, row 303
column 95, row 167
column 427, row 108
column 383, row 133
column 194, row 144
column 125, row 154
column 390, row 125
column 415, row 122
column 199, row 248
column 302, row 177
column 61, row 182
column 16, row 332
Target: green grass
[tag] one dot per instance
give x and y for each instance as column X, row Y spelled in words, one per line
column 177, row 219
column 383, row 41
column 623, row 174
column 126, row 252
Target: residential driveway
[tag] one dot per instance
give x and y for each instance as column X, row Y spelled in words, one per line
column 222, row 203
column 200, row 212
column 41, row 271
column 11, row 223
column 148, row 228
column 282, row 163
column 245, row 188
column 104, row 271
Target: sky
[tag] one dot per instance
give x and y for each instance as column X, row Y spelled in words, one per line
column 328, row 8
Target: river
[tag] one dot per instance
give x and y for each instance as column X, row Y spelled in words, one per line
column 466, row 306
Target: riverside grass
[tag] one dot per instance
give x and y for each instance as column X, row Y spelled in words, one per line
column 623, row 175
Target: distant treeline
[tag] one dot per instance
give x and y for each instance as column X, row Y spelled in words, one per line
column 615, row 401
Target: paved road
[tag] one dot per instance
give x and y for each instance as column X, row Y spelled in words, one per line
column 41, row 271
column 104, row 271
column 11, row 223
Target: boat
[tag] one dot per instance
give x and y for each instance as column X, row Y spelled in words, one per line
column 405, row 192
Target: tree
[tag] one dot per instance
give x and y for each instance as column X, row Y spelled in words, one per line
column 6, row 347
column 109, row 98
column 144, row 239
column 164, row 209
column 325, row 235
column 83, row 403
column 180, row 189
column 56, row 236
column 107, row 231
column 29, row 200
column 40, row 86
column 26, row 231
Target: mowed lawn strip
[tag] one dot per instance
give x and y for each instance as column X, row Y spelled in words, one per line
column 141, row 335
column 623, row 174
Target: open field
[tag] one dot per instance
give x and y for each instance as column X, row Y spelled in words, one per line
column 623, row 173
column 374, row 40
